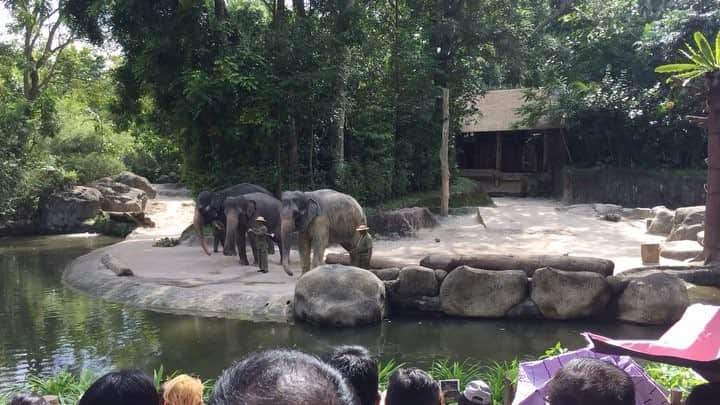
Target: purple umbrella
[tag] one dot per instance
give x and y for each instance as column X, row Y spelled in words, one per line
column 534, row 376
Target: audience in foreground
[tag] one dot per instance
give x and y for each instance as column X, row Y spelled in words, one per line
column 182, row 390
column 412, row 386
column 705, row 394
column 124, row 387
column 360, row 369
column 28, row 399
column 282, row 377
column 591, row 381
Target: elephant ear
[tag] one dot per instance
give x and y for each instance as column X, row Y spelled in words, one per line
column 313, row 209
column 251, row 208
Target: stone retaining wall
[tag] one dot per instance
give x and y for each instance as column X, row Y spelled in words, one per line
column 632, row 188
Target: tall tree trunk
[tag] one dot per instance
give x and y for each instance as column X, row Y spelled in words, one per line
column 338, row 123
column 444, row 146
column 299, row 7
column 220, row 10
column 712, row 205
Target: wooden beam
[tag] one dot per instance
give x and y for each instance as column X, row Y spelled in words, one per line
column 498, row 152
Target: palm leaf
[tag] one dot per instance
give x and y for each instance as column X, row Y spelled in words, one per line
column 676, row 67
column 717, row 47
column 704, row 49
column 693, row 56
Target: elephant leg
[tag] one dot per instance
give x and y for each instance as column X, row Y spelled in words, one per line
column 242, row 251
column 319, row 244
column 218, row 239
column 304, row 248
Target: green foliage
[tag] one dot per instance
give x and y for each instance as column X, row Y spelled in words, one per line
column 496, row 374
column 673, row 377
column 464, row 371
column 66, row 386
column 385, row 370
column 704, row 60
column 555, row 350
column 104, row 225
column 94, row 166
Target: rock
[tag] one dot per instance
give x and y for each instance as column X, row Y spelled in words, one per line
column 21, row 227
column 637, row 213
column 120, row 197
column 135, row 181
column 585, row 210
column 525, row 310
column 685, row 232
column 606, row 209
column 482, row 293
column 386, row 274
column 416, row 304
column 527, row 263
column 404, row 222
column 617, row 284
column 164, row 179
column 65, row 211
column 337, row 295
column 440, row 275
column 701, row 238
column 613, row 217
column 569, row 295
column 656, row 299
column 662, row 222
column 687, row 223
column 415, row 281
column 700, row 294
column 681, row 250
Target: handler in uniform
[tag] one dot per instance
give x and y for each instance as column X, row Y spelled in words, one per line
column 361, row 254
column 261, row 238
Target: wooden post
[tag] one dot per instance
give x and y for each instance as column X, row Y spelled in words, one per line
column 650, row 253
column 676, row 397
column 498, row 152
column 444, row 151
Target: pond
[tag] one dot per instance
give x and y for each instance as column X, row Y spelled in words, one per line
column 46, row 327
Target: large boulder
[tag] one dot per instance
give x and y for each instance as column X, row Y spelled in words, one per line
column 654, row 299
column 569, row 295
column 65, row 211
column 135, row 181
column 662, row 222
column 482, row 293
column 681, row 250
column 687, row 223
column 120, row 197
column 404, row 222
column 415, row 281
column 342, row 296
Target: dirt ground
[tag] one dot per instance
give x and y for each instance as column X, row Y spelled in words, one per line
column 514, row 226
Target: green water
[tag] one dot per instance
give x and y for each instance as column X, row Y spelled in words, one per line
column 45, row 327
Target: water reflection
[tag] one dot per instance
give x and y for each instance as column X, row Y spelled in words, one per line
column 45, row 327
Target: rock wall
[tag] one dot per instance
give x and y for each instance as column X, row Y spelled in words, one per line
column 632, row 188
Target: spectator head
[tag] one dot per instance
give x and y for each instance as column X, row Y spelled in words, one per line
column 124, row 387
column 182, row 390
column 28, row 399
column 282, row 377
column 360, row 369
column 411, row 386
column 476, row 393
column 591, row 381
column 704, row 394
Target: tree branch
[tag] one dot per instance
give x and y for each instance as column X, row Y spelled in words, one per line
column 47, row 52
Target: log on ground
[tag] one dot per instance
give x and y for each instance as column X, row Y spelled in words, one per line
column 527, row 263
column 375, row 262
column 116, row 265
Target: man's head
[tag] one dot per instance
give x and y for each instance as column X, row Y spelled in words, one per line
column 360, row 369
column 705, row 394
column 28, row 399
column 590, row 381
column 120, row 388
column 282, row 377
column 411, row 386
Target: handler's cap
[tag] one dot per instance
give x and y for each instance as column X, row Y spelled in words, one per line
column 260, row 219
column 477, row 392
column 362, row 228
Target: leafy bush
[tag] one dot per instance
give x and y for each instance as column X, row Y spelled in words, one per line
column 94, row 166
column 673, row 377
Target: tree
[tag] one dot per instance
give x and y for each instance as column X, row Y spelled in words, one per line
column 704, row 62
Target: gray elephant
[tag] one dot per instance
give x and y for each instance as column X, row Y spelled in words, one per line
column 241, row 212
column 209, row 209
column 320, row 217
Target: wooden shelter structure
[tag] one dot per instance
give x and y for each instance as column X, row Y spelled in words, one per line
column 508, row 158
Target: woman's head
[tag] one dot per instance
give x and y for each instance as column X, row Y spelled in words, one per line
column 183, row 390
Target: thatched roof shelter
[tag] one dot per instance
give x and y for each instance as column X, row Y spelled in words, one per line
column 497, row 110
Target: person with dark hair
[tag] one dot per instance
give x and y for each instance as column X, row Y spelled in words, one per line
column 590, row 381
column 704, row 394
column 282, row 377
column 412, row 386
column 123, row 387
column 27, row 399
column 360, row 369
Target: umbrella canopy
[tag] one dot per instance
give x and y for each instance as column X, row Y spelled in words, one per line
column 693, row 341
column 534, row 377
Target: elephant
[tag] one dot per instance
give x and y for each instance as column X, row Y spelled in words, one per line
column 320, row 217
column 209, row 209
column 241, row 212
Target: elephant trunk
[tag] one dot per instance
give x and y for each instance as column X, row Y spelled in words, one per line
column 231, row 229
column 199, row 224
column 287, row 227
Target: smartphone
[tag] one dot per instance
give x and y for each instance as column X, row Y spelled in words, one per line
column 450, row 390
